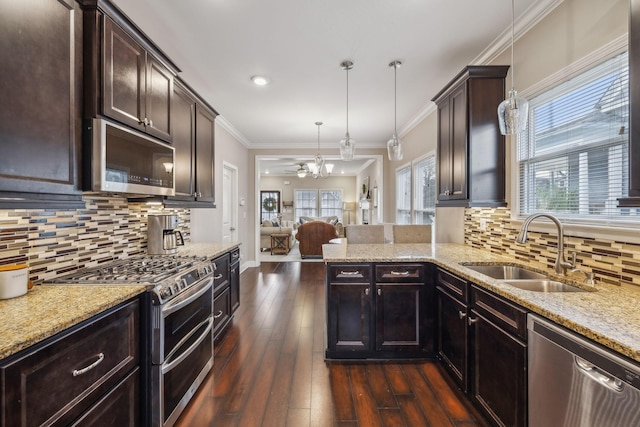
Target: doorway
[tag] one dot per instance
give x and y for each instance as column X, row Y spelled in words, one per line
column 229, row 203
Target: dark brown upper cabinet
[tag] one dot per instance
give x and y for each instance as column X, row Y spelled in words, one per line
column 127, row 78
column 471, row 152
column 193, row 139
column 634, row 110
column 41, row 87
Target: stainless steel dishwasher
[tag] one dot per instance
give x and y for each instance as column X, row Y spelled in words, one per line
column 576, row 383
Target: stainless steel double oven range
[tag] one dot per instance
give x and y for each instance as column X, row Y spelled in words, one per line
column 177, row 323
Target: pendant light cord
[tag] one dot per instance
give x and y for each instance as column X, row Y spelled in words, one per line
column 513, row 24
column 395, row 99
column 347, row 100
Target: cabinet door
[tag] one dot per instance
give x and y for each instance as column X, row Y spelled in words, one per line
column 458, row 116
column 183, row 116
column 349, row 318
column 205, row 142
column 124, row 76
column 499, row 373
column 234, row 286
column 398, row 317
column 452, row 336
column 41, row 96
column 444, row 150
column 158, row 96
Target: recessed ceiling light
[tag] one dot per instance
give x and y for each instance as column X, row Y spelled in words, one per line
column 260, row 80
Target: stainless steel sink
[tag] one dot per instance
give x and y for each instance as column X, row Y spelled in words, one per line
column 506, row 272
column 522, row 278
column 543, row 285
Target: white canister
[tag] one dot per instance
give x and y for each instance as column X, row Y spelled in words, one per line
column 13, row 280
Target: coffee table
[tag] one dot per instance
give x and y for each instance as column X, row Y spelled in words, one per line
column 280, row 243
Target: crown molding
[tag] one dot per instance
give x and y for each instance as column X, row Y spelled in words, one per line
column 235, row 133
column 529, row 19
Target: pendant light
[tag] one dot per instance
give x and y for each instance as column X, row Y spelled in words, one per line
column 394, row 145
column 347, row 144
column 317, row 166
column 513, row 112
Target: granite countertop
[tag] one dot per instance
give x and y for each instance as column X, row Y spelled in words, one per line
column 46, row 310
column 206, row 249
column 609, row 315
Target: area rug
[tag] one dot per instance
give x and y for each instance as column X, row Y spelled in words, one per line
column 292, row 256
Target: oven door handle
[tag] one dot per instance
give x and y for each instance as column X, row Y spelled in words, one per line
column 169, row 364
column 177, row 303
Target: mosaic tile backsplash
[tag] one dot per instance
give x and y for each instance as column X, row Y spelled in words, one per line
column 611, row 261
column 55, row 242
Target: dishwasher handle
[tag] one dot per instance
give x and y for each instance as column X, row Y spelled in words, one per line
column 596, row 374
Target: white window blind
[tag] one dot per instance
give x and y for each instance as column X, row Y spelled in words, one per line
column 424, row 189
column 573, row 159
column 305, row 203
column 403, row 195
column 331, row 203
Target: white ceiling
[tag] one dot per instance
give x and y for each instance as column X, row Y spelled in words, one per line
column 299, row 44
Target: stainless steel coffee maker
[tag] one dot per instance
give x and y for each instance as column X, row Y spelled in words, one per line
column 163, row 237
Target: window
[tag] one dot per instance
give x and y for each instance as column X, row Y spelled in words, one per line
column 269, row 205
column 403, row 195
column 317, row 203
column 416, row 183
column 573, row 160
column 424, row 190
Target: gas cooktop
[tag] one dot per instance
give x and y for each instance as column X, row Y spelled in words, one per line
column 168, row 274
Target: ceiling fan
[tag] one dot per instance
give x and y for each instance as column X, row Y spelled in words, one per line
column 301, row 171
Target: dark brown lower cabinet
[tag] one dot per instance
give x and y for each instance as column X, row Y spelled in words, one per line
column 499, row 373
column 453, row 337
column 78, row 374
column 381, row 315
column 221, row 312
column 482, row 341
column 234, row 280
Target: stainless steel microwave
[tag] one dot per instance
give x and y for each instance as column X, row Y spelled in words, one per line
column 126, row 161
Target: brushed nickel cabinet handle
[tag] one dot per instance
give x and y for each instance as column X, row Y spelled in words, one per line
column 399, row 273
column 218, row 314
column 462, row 315
column 379, row 291
column 77, row 372
column 219, row 276
column 472, row 321
column 366, row 291
column 349, row 273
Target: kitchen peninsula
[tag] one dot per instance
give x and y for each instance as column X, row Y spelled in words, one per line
column 422, row 301
column 608, row 315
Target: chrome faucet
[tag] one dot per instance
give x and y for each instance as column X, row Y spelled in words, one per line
column 561, row 265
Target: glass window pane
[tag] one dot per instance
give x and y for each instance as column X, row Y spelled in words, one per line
column 424, row 185
column 403, row 195
column 573, row 160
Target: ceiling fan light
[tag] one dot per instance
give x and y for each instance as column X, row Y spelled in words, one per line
column 329, row 168
column 301, row 173
column 394, row 148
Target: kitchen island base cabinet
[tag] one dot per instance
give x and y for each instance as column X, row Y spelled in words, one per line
column 378, row 311
column 74, row 376
column 452, row 337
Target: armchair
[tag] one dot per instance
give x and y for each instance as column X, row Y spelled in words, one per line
column 312, row 235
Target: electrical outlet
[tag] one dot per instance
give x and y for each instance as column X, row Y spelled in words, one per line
column 483, row 224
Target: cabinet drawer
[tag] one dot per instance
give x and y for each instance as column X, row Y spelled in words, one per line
column 456, row 286
column 118, row 408
column 235, row 256
column 349, row 273
column 60, row 380
column 220, row 272
column 511, row 318
column 400, row 273
column 221, row 311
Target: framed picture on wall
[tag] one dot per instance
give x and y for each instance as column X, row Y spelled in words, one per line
column 365, row 188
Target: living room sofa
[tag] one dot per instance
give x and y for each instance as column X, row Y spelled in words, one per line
column 267, row 229
column 312, row 235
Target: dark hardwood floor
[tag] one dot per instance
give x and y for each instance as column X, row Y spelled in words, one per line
column 269, row 368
